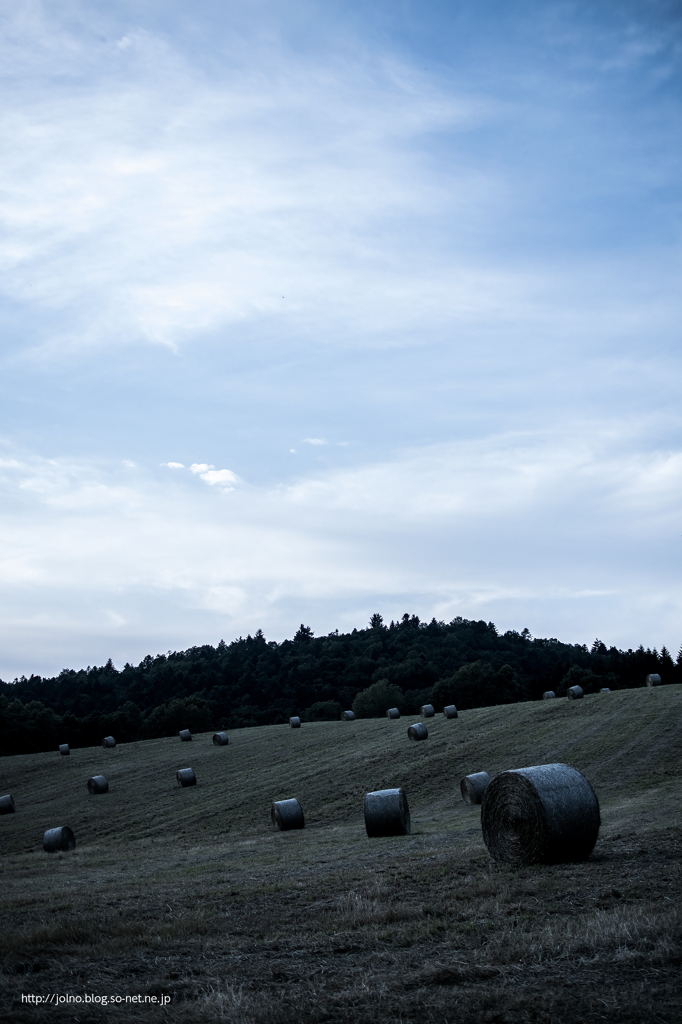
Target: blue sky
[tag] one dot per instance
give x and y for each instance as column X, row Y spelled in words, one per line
column 311, row 310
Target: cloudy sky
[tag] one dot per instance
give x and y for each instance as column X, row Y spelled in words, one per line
column 312, row 308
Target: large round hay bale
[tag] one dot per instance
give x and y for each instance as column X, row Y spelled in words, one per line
column 347, row 716
column 548, row 813
column 185, row 735
column 548, row 694
column 450, row 711
column 64, row 749
column 575, row 692
column 98, row 784
column 287, row 814
column 295, row 722
column 220, row 739
column 605, row 689
column 7, row 805
column 59, row 839
column 418, row 731
column 427, row 711
column 108, row 741
column 474, row 786
column 392, row 713
column 653, row 679
column 186, row 777
column 387, row 813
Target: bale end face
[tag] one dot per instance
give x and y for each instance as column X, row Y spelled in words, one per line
column 220, row 739
column 386, row 813
column 7, row 805
column 427, row 711
column 108, row 741
column 653, row 679
column 59, row 839
column 185, row 735
column 474, row 786
column 418, row 731
column 450, row 711
column 548, row 695
column 295, row 722
column 287, row 814
column 186, row 777
column 392, row 713
column 544, row 814
column 347, row 716
column 64, row 749
column 574, row 692
column 98, row 784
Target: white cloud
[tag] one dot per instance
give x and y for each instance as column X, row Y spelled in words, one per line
column 174, row 465
column 212, row 475
column 314, row 440
column 200, row 467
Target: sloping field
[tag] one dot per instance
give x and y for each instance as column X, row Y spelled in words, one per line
column 189, row 895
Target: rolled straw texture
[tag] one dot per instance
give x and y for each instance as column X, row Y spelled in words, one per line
column 185, row 735
column 221, row 739
column 347, row 716
column 474, row 786
column 7, row 805
column 427, row 711
column 59, row 839
column 186, row 777
column 295, row 722
column 108, row 741
column 544, row 814
column 64, row 749
column 653, row 679
column 98, row 784
column 574, row 692
column 418, row 731
column 392, row 713
column 387, row 813
column 450, row 711
column 548, row 694
column 287, row 814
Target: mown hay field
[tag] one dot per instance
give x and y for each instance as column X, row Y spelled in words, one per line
column 190, row 897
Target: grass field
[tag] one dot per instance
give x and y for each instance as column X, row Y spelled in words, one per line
column 190, row 894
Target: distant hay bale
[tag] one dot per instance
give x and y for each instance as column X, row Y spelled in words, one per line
column 427, row 711
column 544, row 814
column 392, row 713
column 220, row 739
column 605, row 689
column 575, row 692
column 548, row 694
column 450, row 711
column 98, row 784
column 59, row 839
column 418, row 731
column 474, row 786
column 108, row 741
column 64, row 749
column 347, row 716
column 287, row 814
column 387, row 813
column 186, row 777
column 185, row 735
column 653, row 679
column 7, row 805
column 295, row 722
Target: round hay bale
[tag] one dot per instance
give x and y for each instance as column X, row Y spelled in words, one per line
column 185, row 735
column 427, row 711
column 64, row 749
column 287, row 814
column 98, row 784
column 220, row 739
column 546, row 814
column 392, row 713
column 295, row 722
column 186, row 777
column 387, row 813
column 605, row 689
column 108, row 741
column 347, row 716
column 548, row 694
column 418, row 731
column 574, row 692
column 653, row 679
column 474, row 786
column 7, row 805
column 450, row 711
column 59, row 839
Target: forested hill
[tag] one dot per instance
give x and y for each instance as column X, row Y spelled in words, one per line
column 253, row 681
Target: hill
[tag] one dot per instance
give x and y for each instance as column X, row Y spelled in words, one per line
column 189, row 893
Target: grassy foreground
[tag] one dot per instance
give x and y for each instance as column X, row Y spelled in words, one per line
column 190, row 896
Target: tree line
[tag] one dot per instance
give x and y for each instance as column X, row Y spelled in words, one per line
column 253, row 681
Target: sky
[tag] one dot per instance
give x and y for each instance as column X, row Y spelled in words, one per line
column 311, row 310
